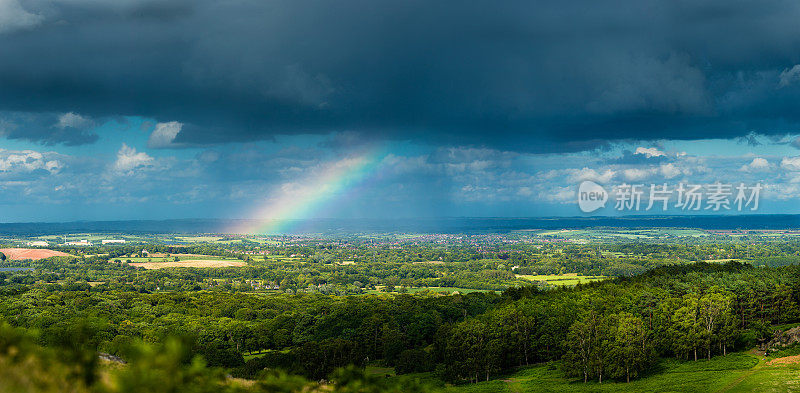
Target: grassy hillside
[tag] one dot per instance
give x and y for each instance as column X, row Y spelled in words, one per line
column 738, row 372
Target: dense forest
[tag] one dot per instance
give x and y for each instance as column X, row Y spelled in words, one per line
column 614, row 329
column 298, row 318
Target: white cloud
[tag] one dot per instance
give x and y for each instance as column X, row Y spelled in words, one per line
column 73, row 120
column 579, row 175
column 789, row 76
column 558, row 194
column 128, row 159
column 650, row 152
column 669, row 171
column 791, row 163
column 635, row 174
column 14, row 17
column 28, row 161
column 524, row 191
column 757, row 165
column 782, row 191
column 164, row 134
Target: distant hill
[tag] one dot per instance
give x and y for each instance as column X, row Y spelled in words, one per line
column 440, row 225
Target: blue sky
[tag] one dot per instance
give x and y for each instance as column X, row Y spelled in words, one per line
column 120, row 177
column 143, row 109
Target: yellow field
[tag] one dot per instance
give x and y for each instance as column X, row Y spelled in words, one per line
column 190, row 263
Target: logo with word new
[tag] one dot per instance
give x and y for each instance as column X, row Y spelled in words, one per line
column 714, row 197
column 591, row 196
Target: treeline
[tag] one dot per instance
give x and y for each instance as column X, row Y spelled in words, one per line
column 619, row 329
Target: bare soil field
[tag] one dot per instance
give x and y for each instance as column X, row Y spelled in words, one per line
column 784, row 360
column 31, row 253
column 192, row 263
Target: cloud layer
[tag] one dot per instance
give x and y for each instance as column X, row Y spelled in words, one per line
column 540, row 77
column 202, row 108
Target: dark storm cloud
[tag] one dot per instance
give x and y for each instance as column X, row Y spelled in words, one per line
column 69, row 129
column 535, row 76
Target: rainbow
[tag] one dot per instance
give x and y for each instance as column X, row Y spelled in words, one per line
column 304, row 198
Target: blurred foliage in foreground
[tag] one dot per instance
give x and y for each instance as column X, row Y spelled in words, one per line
column 26, row 366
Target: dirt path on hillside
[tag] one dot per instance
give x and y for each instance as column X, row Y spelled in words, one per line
column 754, row 352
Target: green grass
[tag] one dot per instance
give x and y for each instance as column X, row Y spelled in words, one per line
column 248, row 356
column 561, row 279
column 780, row 379
column 737, row 372
column 379, row 370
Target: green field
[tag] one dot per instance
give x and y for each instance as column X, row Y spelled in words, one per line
column 737, row 372
column 253, row 355
column 379, row 370
column 561, row 279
